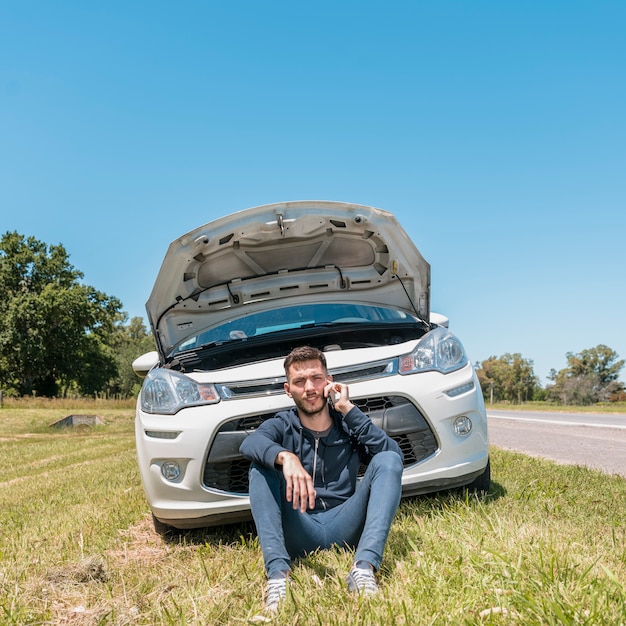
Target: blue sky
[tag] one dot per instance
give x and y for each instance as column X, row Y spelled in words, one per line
column 494, row 131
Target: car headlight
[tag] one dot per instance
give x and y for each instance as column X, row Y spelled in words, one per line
column 439, row 350
column 167, row 392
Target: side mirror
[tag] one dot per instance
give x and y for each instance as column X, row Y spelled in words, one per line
column 143, row 364
column 439, row 319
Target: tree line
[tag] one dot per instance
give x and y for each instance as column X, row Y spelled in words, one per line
column 589, row 377
column 59, row 338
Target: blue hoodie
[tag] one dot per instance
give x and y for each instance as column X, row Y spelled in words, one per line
column 332, row 461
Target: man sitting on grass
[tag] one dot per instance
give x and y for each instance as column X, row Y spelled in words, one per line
column 303, row 478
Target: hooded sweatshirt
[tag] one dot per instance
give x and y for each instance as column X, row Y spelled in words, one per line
column 332, row 461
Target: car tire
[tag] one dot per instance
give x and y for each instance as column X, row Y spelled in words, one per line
column 482, row 483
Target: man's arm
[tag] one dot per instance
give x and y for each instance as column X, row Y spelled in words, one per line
column 375, row 439
column 263, row 447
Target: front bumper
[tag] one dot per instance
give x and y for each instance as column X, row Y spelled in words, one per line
column 418, row 411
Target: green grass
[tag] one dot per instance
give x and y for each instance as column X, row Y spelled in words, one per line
column 547, row 546
column 600, row 407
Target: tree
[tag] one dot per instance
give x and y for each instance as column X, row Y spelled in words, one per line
column 55, row 333
column 129, row 342
column 590, row 376
column 507, row 378
column 600, row 360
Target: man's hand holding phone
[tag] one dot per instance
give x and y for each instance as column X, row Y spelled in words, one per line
column 338, row 397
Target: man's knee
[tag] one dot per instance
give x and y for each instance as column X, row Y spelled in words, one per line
column 267, row 473
column 260, row 477
column 388, row 461
column 256, row 474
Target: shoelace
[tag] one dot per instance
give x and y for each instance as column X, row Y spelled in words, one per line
column 364, row 581
column 276, row 591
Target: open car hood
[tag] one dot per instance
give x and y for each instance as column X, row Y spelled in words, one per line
column 283, row 254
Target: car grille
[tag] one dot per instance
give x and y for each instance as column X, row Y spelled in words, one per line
column 226, row 470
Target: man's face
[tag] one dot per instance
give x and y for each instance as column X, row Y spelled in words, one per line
column 305, row 384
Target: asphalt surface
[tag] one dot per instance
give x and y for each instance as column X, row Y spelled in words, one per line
column 596, row 440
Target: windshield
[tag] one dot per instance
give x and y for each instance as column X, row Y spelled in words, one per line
column 294, row 317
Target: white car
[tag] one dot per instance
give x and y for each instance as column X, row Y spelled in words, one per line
column 233, row 297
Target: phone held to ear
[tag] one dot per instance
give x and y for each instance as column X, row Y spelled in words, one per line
column 333, row 396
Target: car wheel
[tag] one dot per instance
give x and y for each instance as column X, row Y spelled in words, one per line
column 481, row 484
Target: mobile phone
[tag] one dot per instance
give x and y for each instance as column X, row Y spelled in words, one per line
column 331, row 398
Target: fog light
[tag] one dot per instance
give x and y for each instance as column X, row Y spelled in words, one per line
column 457, row 391
column 171, row 470
column 462, row 425
column 163, row 434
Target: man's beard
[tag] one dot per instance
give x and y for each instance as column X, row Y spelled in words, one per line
column 307, row 409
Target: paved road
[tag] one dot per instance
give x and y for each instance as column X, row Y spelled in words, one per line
column 596, row 440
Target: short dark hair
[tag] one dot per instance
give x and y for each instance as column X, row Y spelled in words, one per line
column 304, row 353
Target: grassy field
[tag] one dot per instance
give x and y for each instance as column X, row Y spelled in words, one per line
column 547, row 546
column 601, row 407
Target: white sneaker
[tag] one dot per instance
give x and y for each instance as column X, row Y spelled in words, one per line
column 361, row 580
column 275, row 593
